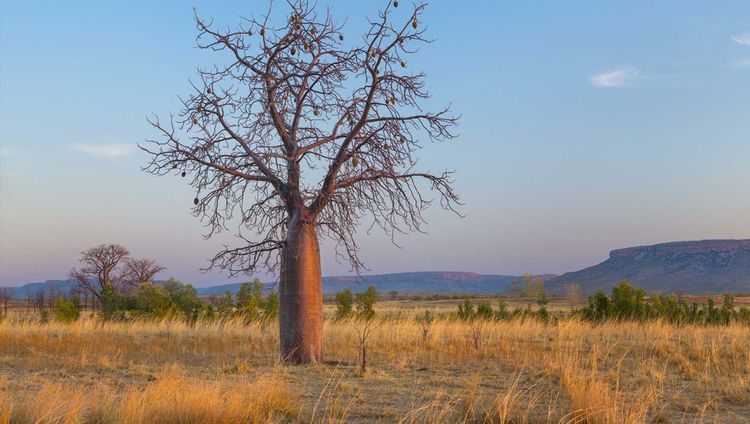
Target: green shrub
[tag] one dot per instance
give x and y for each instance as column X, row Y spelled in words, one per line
column 484, row 310
column 249, row 291
column 344, row 303
column 502, row 310
column 366, row 302
column 225, row 308
column 627, row 301
column 113, row 304
column 271, row 306
column 67, row 311
column 183, row 296
column 252, row 305
column 466, row 310
column 150, row 300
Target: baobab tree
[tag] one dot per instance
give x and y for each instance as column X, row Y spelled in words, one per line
column 110, row 264
column 99, row 267
column 300, row 134
column 138, row 271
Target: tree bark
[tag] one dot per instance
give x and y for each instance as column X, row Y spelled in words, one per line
column 301, row 295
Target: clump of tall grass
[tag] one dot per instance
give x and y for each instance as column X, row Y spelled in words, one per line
column 171, row 397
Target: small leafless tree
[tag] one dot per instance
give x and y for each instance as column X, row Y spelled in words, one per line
column 39, row 300
column 54, row 292
column 301, row 134
column 574, row 293
column 534, row 289
column 476, row 329
column 99, row 267
column 365, row 329
column 137, row 271
column 5, row 297
column 75, row 293
column 426, row 319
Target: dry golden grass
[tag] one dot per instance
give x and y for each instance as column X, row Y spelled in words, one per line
column 521, row 371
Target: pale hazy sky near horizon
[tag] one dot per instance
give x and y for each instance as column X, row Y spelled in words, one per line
column 586, row 126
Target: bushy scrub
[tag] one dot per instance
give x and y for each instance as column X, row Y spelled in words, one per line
column 628, row 303
column 468, row 311
column 150, row 300
column 366, row 302
column 113, row 304
column 344, row 303
column 360, row 305
column 171, row 300
column 253, row 305
column 67, row 311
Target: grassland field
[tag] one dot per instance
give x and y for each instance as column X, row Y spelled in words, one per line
column 520, row 371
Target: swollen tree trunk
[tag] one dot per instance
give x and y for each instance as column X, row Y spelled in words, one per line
column 301, row 295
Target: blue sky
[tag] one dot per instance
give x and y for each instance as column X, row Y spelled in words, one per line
column 586, row 126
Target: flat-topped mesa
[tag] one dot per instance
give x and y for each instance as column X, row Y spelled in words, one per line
column 681, row 247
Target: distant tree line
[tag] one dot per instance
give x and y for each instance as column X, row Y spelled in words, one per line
column 625, row 303
column 178, row 301
column 122, row 288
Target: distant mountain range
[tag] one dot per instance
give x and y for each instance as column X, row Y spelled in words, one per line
column 22, row 292
column 689, row 267
column 407, row 282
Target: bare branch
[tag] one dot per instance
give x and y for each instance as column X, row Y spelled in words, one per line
column 300, row 121
column 98, row 267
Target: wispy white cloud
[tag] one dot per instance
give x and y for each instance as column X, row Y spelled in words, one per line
column 618, row 77
column 743, row 38
column 741, row 63
column 104, row 150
